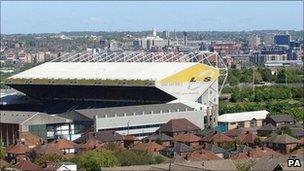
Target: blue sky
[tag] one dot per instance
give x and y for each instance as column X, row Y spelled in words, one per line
column 54, row 17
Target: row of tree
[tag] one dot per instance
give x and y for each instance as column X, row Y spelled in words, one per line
column 262, row 74
column 265, row 93
column 293, row 108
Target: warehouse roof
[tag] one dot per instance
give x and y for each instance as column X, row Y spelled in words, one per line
column 131, row 110
column 103, row 71
column 16, row 117
column 20, row 117
column 243, row 116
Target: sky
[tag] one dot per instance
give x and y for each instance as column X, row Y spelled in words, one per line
column 56, row 17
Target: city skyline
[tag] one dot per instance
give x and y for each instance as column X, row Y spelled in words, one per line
column 41, row 17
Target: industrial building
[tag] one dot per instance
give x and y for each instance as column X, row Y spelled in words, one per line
column 12, row 123
column 162, row 86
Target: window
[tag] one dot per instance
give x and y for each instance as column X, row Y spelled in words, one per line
column 253, row 123
column 241, row 124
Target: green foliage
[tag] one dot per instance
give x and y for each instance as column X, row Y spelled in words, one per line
column 244, row 165
column 297, row 113
column 41, row 160
column 236, row 76
column 258, row 142
column 2, row 150
column 137, row 157
column 159, row 159
column 286, row 130
column 95, row 159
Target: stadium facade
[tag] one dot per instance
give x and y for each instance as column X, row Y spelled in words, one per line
column 190, row 79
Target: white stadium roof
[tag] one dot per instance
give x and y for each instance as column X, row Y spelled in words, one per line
column 243, row 116
column 106, row 70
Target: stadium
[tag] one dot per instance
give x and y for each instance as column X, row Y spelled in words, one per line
column 82, row 81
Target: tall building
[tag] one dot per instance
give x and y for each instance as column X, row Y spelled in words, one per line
column 165, row 35
column 185, row 38
column 282, row 39
column 254, row 41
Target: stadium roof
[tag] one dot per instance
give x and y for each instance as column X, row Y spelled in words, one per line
column 102, row 71
column 130, row 110
column 243, row 116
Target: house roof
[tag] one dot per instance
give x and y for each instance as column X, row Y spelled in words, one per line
column 130, row 138
column 215, row 149
column 235, row 132
column 211, row 165
column 150, row 147
column 47, row 149
column 3, row 163
column 298, row 152
column 239, row 156
column 178, row 125
column 62, row 144
column 243, row 116
column 203, row 155
column 205, row 132
column 27, row 165
column 188, row 137
column 159, row 136
column 90, row 144
column 281, row 118
column 102, row 136
column 131, row 110
column 247, row 137
column 178, row 148
column 267, row 163
column 268, row 127
column 30, row 139
column 217, row 137
column 263, row 151
column 282, row 139
column 19, row 148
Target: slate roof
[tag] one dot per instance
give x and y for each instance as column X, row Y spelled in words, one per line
column 150, row 147
column 282, row 139
column 178, row 148
column 268, row 127
column 205, row 132
column 281, row 118
column 215, row 149
column 159, row 136
column 131, row 110
column 102, row 136
column 178, row 125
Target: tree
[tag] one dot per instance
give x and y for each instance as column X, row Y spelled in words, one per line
column 95, row 159
column 2, row 151
column 41, row 160
column 134, row 157
column 286, row 130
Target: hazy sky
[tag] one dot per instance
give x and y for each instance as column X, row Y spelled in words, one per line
column 50, row 17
